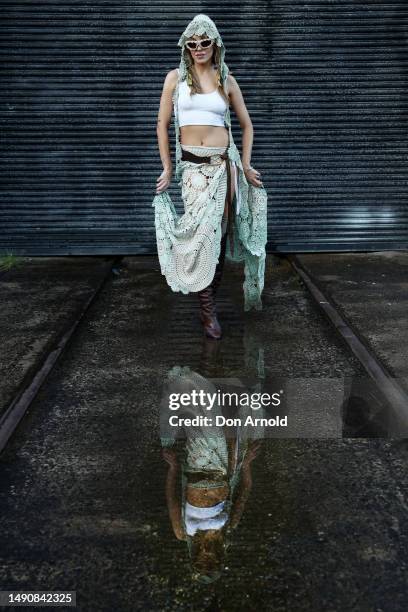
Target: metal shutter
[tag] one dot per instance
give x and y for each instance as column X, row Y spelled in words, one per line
column 325, row 83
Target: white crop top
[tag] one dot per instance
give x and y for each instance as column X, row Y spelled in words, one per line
column 200, row 109
column 196, row 518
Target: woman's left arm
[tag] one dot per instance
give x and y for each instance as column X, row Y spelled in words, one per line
column 173, row 502
column 238, row 104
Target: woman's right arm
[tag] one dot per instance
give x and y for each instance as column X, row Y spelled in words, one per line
column 245, row 484
column 162, row 129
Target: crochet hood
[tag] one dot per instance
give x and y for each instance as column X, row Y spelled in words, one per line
column 201, row 24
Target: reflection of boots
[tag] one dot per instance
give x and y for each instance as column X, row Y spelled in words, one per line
column 211, row 358
column 206, row 296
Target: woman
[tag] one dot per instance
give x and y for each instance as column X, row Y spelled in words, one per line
column 211, row 505
column 222, row 196
column 215, row 469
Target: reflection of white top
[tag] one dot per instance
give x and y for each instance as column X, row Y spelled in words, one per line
column 197, row 518
column 200, row 109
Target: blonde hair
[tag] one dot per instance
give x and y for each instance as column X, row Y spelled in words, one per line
column 192, row 79
column 208, row 554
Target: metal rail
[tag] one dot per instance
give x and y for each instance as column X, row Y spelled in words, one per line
column 18, row 407
column 390, row 388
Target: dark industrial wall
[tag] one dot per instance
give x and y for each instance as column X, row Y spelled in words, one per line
column 325, row 83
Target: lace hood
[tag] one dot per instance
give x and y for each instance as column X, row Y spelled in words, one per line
column 201, row 24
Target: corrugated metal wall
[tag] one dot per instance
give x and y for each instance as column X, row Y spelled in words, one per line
column 325, row 83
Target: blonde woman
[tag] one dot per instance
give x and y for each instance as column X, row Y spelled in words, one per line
column 223, row 196
column 214, row 466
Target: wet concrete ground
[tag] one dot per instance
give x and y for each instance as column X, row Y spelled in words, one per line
column 371, row 290
column 38, row 299
column 82, row 480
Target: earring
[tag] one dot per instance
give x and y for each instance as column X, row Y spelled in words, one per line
column 189, row 79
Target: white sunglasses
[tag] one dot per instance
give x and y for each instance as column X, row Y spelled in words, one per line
column 204, row 44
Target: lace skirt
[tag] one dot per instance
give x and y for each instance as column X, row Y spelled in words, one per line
column 206, row 459
column 189, row 244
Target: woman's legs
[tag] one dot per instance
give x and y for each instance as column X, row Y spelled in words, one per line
column 206, row 297
column 232, row 188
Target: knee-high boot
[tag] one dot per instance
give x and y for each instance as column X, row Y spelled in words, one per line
column 208, row 312
column 220, row 265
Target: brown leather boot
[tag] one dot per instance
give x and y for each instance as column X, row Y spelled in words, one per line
column 208, row 313
column 220, row 265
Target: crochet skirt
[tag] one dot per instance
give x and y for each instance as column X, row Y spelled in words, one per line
column 206, row 448
column 189, row 244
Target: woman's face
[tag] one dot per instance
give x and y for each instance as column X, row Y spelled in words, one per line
column 201, row 55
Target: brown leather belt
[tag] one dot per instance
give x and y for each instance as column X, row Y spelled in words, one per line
column 188, row 156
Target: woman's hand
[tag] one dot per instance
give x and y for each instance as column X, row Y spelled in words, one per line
column 163, row 181
column 169, row 455
column 253, row 176
column 252, row 452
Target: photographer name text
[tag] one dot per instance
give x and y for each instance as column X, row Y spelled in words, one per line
column 221, row 421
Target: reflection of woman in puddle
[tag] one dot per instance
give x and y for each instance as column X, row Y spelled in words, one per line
column 215, row 467
column 210, row 510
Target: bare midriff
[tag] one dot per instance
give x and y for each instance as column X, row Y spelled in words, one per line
column 204, row 135
column 205, row 498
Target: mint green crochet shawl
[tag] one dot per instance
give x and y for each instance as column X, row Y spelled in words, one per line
column 250, row 227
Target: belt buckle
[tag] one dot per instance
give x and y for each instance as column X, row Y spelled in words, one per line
column 216, row 159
